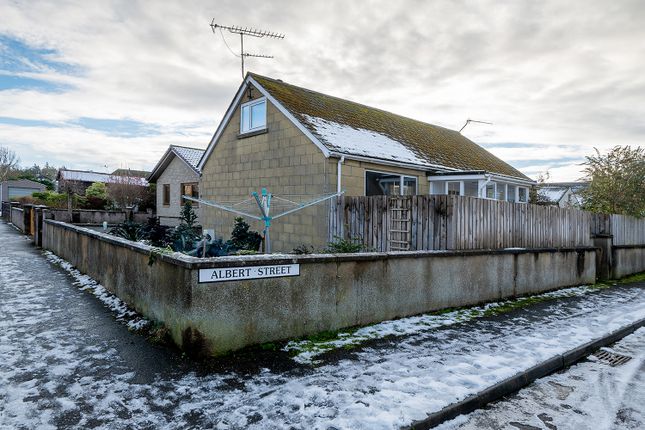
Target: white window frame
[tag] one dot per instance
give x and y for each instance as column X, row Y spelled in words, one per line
column 517, row 195
column 494, row 184
column 462, row 190
column 249, row 105
column 401, row 180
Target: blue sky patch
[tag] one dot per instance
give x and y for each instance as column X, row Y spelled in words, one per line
column 18, row 58
column 118, row 127
column 26, row 122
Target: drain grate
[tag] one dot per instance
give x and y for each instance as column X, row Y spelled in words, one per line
column 611, row 358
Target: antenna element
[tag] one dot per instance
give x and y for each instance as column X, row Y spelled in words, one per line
column 245, row 32
column 468, row 121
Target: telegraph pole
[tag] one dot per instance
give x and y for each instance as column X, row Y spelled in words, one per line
column 244, row 31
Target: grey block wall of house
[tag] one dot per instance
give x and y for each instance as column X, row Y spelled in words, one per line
column 331, row 292
column 627, row 259
column 177, row 173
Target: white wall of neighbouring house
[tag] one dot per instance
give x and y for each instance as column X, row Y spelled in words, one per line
column 175, row 174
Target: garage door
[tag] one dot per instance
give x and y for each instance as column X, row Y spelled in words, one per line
column 17, row 192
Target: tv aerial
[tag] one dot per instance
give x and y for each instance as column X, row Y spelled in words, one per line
column 244, row 31
column 468, row 121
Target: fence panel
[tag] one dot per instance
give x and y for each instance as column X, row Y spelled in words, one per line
column 441, row 222
column 627, row 230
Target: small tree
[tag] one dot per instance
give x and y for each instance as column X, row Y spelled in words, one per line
column 8, row 161
column 534, row 194
column 98, row 190
column 126, row 191
column 242, row 238
column 616, row 182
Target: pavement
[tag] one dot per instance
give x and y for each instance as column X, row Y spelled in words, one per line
column 589, row 395
column 67, row 360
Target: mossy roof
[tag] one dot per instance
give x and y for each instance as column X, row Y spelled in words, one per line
column 429, row 144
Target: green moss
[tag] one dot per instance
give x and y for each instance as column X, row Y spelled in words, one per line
column 638, row 277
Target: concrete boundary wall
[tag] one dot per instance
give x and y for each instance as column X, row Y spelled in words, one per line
column 331, row 292
column 627, row 260
column 18, row 218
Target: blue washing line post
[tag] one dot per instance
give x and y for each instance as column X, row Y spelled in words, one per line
column 265, row 207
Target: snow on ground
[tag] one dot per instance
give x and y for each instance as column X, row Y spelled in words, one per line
column 305, row 351
column 65, row 362
column 131, row 318
column 589, row 395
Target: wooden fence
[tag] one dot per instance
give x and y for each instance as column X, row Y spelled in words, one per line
column 426, row 222
column 627, row 230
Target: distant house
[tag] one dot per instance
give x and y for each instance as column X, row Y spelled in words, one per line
column 562, row 194
column 295, row 141
column 13, row 190
column 77, row 181
column 176, row 175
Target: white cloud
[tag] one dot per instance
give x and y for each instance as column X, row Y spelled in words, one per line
column 561, row 77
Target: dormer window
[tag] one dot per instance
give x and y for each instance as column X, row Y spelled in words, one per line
column 253, row 116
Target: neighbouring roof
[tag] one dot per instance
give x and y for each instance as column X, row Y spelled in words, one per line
column 350, row 128
column 555, row 191
column 190, row 156
column 23, row 183
column 89, row 176
column 130, row 172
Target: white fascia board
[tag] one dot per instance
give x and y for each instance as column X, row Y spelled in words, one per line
column 390, row 162
column 494, row 177
column 159, row 164
column 326, row 152
column 223, row 124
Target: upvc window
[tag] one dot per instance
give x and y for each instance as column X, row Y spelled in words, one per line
column 389, row 184
column 490, row 191
column 522, row 195
column 166, row 194
column 190, row 190
column 253, row 116
column 453, row 188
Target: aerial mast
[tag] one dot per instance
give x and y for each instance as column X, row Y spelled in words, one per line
column 244, row 31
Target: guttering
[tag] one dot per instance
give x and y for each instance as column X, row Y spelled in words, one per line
column 339, row 174
column 383, row 162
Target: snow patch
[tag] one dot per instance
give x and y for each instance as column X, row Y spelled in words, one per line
column 131, row 318
column 306, row 350
column 360, row 141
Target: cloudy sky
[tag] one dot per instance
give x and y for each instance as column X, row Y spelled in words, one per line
column 106, row 84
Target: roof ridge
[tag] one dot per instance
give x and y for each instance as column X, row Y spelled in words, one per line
column 280, row 81
column 186, row 147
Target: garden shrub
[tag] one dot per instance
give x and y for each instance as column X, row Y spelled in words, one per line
column 343, row 246
column 303, row 249
column 244, row 239
column 129, row 230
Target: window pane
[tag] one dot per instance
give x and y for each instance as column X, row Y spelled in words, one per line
column 511, row 193
column 166, row 194
column 522, row 195
column 454, row 188
column 382, row 184
column 244, row 124
column 258, row 115
column 490, row 191
column 409, row 186
column 501, row 192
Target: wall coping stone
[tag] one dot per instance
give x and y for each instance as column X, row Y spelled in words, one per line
column 628, row 246
column 189, row 262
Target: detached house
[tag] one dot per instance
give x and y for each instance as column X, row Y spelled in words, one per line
column 176, row 175
column 295, row 141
